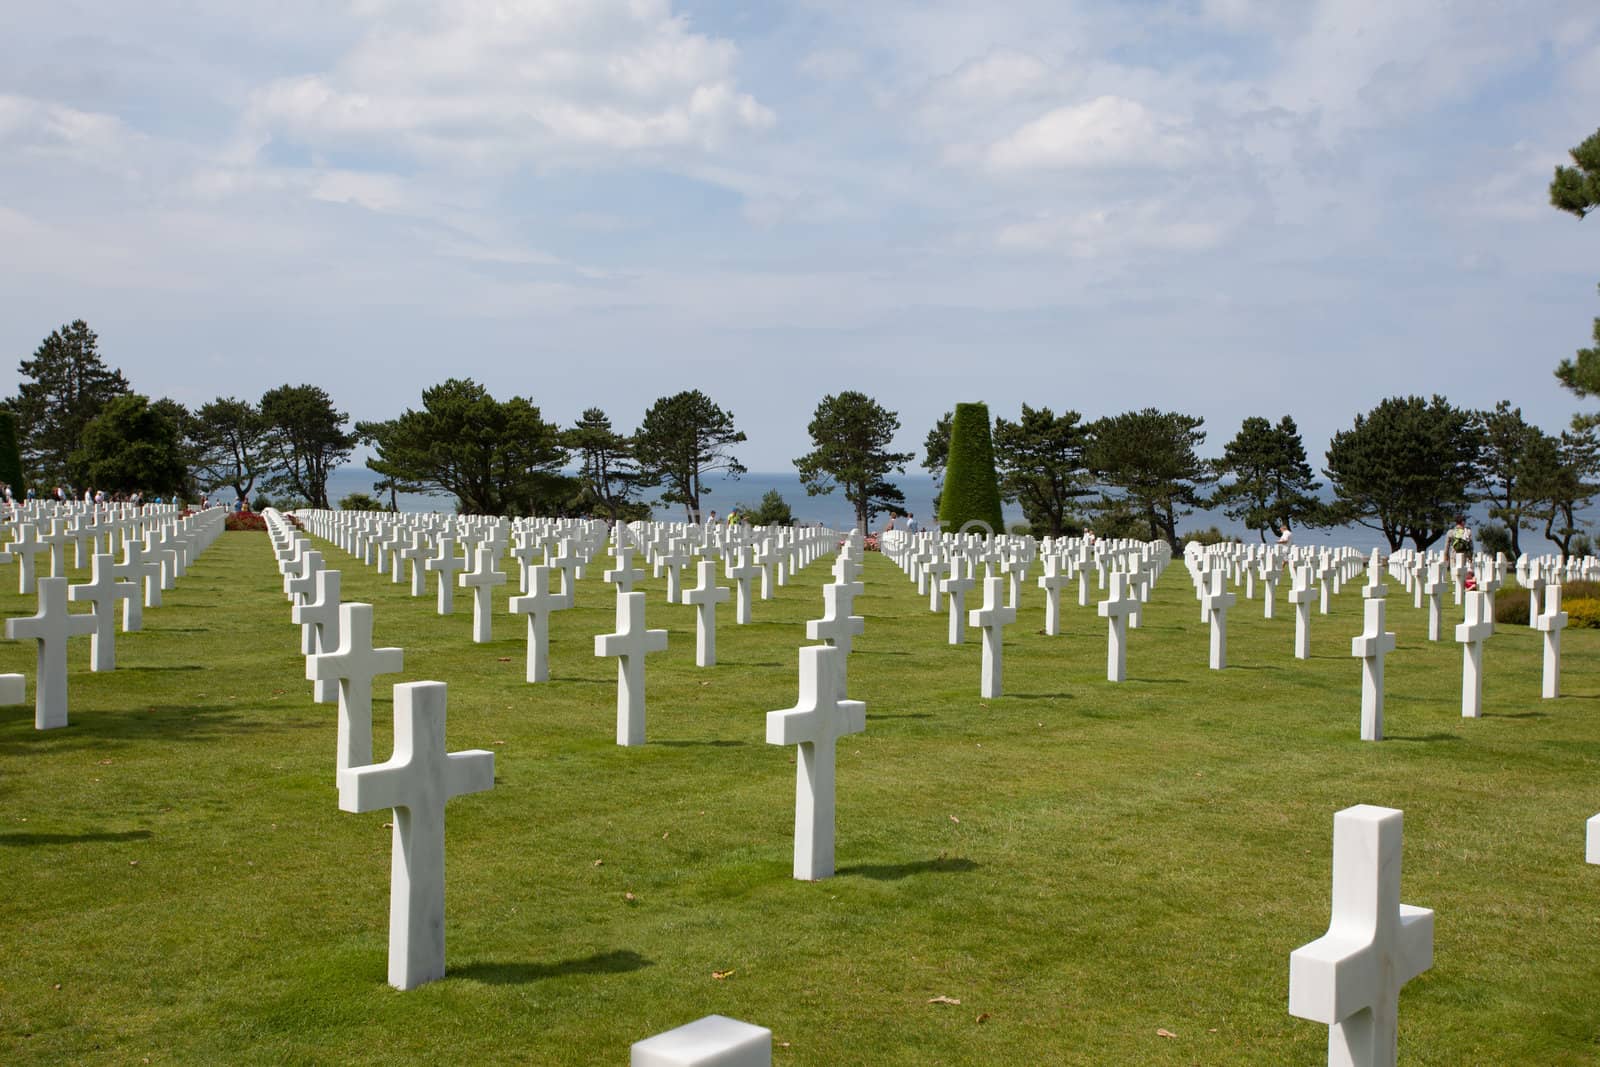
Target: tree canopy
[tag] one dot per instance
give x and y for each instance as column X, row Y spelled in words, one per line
column 683, row 438
column 1509, row 469
column 850, row 437
column 1146, row 462
column 1272, row 482
column 1406, row 468
column 1040, row 459
column 310, row 440
column 234, row 444
column 609, row 473
column 496, row 457
column 64, row 386
column 131, row 445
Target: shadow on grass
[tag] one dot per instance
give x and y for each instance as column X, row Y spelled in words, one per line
column 169, row 667
column 1042, row 696
column 698, row 744
column 25, row 840
column 745, row 663
column 1156, row 681
column 1516, row 715
column 893, row 872
column 902, row 715
column 1423, row 737
column 94, row 729
column 620, row 961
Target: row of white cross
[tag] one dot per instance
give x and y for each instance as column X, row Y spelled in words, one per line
column 168, row 547
column 337, row 639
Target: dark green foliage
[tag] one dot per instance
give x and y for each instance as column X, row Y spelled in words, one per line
column 496, row 457
column 1209, row 536
column 1147, row 461
column 64, row 386
column 131, row 445
column 1272, row 482
column 774, row 511
column 11, row 455
column 936, row 446
column 850, row 437
column 309, row 440
column 609, row 473
column 1560, row 474
column 682, row 438
column 1505, row 470
column 234, row 445
column 1493, row 537
column 971, row 486
column 1040, row 458
column 1576, row 189
column 1405, row 468
column 361, row 502
column 261, row 503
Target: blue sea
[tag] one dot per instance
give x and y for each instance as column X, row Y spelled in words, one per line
column 833, row 510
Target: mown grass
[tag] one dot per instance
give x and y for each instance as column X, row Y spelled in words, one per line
column 1079, row 863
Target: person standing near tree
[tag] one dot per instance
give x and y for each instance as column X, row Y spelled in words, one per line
column 1460, row 538
column 911, row 523
column 1285, row 538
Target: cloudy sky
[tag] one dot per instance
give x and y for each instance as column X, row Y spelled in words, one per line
column 1225, row 207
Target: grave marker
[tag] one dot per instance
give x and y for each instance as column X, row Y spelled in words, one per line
column 815, row 723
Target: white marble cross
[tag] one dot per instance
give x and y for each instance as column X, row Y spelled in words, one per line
column 1551, row 622
column 1350, row 978
column 1271, row 571
column 815, row 723
column 141, row 572
column 1301, row 594
column 25, row 547
column 416, row 782
column 1373, row 644
column 537, row 604
column 566, row 563
column 1120, row 604
column 1433, row 589
column 417, row 554
column 483, row 579
column 936, row 569
column 1375, row 588
column 353, row 665
column 50, row 626
column 672, row 561
column 955, row 589
column 705, row 597
column 992, row 618
column 1051, row 582
column 103, row 591
column 319, row 629
column 1217, row 602
column 446, row 564
column 741, row 576
column 625, row 573
column 1472, row 633
column 630, row 644
column 837, row 627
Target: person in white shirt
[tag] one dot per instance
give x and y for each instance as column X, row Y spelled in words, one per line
column 1284, row 536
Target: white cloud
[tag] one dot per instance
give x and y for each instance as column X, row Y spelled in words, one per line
column 502, row 84
column 1108, row 131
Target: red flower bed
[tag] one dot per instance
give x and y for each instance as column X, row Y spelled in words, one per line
column 245, row 520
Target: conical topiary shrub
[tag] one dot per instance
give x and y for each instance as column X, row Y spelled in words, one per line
column 971, row 487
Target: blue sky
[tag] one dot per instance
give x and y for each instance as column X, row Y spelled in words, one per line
column 1224, row 207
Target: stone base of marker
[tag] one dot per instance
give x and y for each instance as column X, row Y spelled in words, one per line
column 13, row 689
column 1591, row 852
column 714, row 1041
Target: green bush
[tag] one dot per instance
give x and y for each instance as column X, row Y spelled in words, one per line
column 1209, row 536
column 1583, row 613
column 1511, row 605
column 971, row 487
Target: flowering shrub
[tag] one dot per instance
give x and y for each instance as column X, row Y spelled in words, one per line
column 245, row 520
column 1582, row 613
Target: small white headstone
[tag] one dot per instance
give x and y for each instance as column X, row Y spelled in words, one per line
column 715, row 1041
column 630, row 644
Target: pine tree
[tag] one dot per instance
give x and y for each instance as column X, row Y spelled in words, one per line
column 64, row 386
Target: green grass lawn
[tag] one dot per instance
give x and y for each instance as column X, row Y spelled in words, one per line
column 1080, row 864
